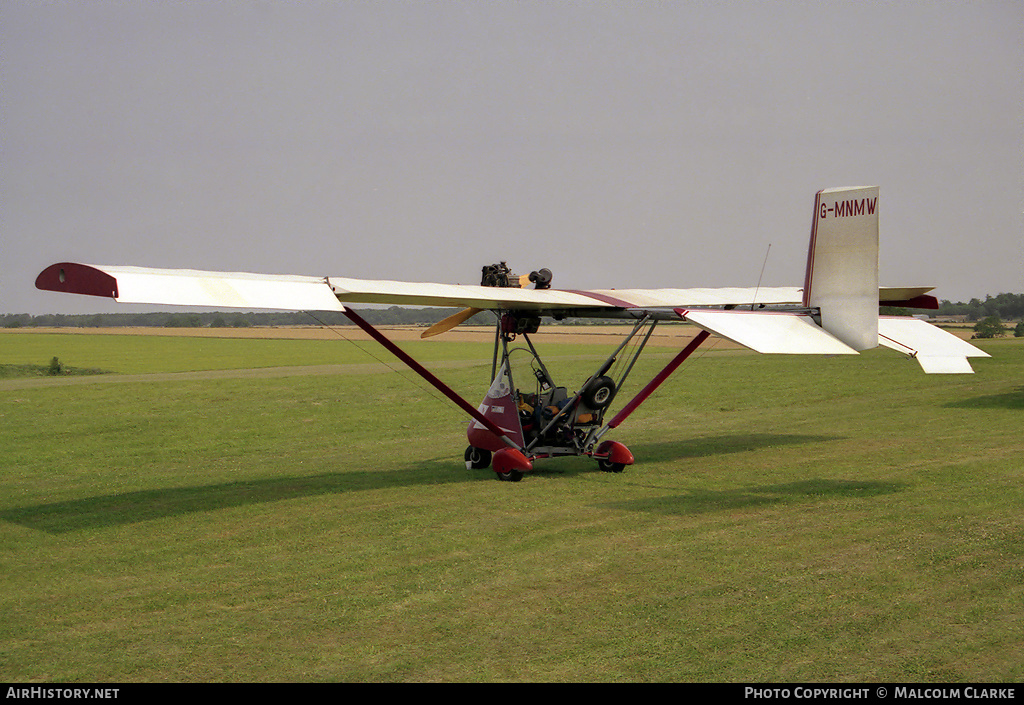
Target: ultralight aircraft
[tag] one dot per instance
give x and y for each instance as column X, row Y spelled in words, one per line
column 835, row 312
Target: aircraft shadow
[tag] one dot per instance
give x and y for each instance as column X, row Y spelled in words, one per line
column 669, row 451
column 803, row 491
column 1009, row 400
column 705, row 446
column 146, row 505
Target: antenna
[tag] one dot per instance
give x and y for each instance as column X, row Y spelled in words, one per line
column 752, row 303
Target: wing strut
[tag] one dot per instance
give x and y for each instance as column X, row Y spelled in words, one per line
column 429, row 376
column 657, row 381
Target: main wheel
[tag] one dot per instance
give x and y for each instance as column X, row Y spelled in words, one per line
column 599, row 392
column 608, row 466
column 510, row 476
column 477, row 458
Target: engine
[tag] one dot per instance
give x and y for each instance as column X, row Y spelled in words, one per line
column 501, row 276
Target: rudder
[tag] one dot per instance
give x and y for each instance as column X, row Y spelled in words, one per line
column 842, row 264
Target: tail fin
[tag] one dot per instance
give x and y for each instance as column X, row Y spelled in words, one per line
column 842, row 264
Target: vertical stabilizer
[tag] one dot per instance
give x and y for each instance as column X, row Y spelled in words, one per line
column 842, row 264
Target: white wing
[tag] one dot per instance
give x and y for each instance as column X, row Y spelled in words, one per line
column 187, row 287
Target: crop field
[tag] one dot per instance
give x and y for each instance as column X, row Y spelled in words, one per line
column 295, row 507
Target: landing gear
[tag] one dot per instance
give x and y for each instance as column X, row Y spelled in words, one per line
column 477, row 458
column 608, row 466
column 612, row 456
column 520, row 425
column 598, row 393
column 510, row 464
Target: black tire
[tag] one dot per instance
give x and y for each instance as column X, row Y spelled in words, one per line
column 609, row 466
column 477, row 458
column 510, row 476
column 598, row 393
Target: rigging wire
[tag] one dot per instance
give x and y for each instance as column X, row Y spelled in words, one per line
column 761, row 276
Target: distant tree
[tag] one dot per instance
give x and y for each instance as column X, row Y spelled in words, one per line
column 1006, row 306
column 989, row 327
column 183, row 320
column 1018, row 331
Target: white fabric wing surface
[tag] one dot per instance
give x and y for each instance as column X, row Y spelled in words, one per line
column 229, row 289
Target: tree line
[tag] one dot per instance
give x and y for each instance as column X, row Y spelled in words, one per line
column 1007, row 307
column 394, row 315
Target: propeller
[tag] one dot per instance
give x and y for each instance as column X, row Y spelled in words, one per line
column 450, row 322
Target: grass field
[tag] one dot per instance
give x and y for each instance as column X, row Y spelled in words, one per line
column 219, row 509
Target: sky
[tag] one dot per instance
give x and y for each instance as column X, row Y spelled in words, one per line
column 619, row 144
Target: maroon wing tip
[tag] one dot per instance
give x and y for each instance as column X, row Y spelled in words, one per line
column 71, row 278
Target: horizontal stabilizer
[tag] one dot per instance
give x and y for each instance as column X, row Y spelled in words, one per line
column 770, row 332
column 936, row 350
column 934, row 364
